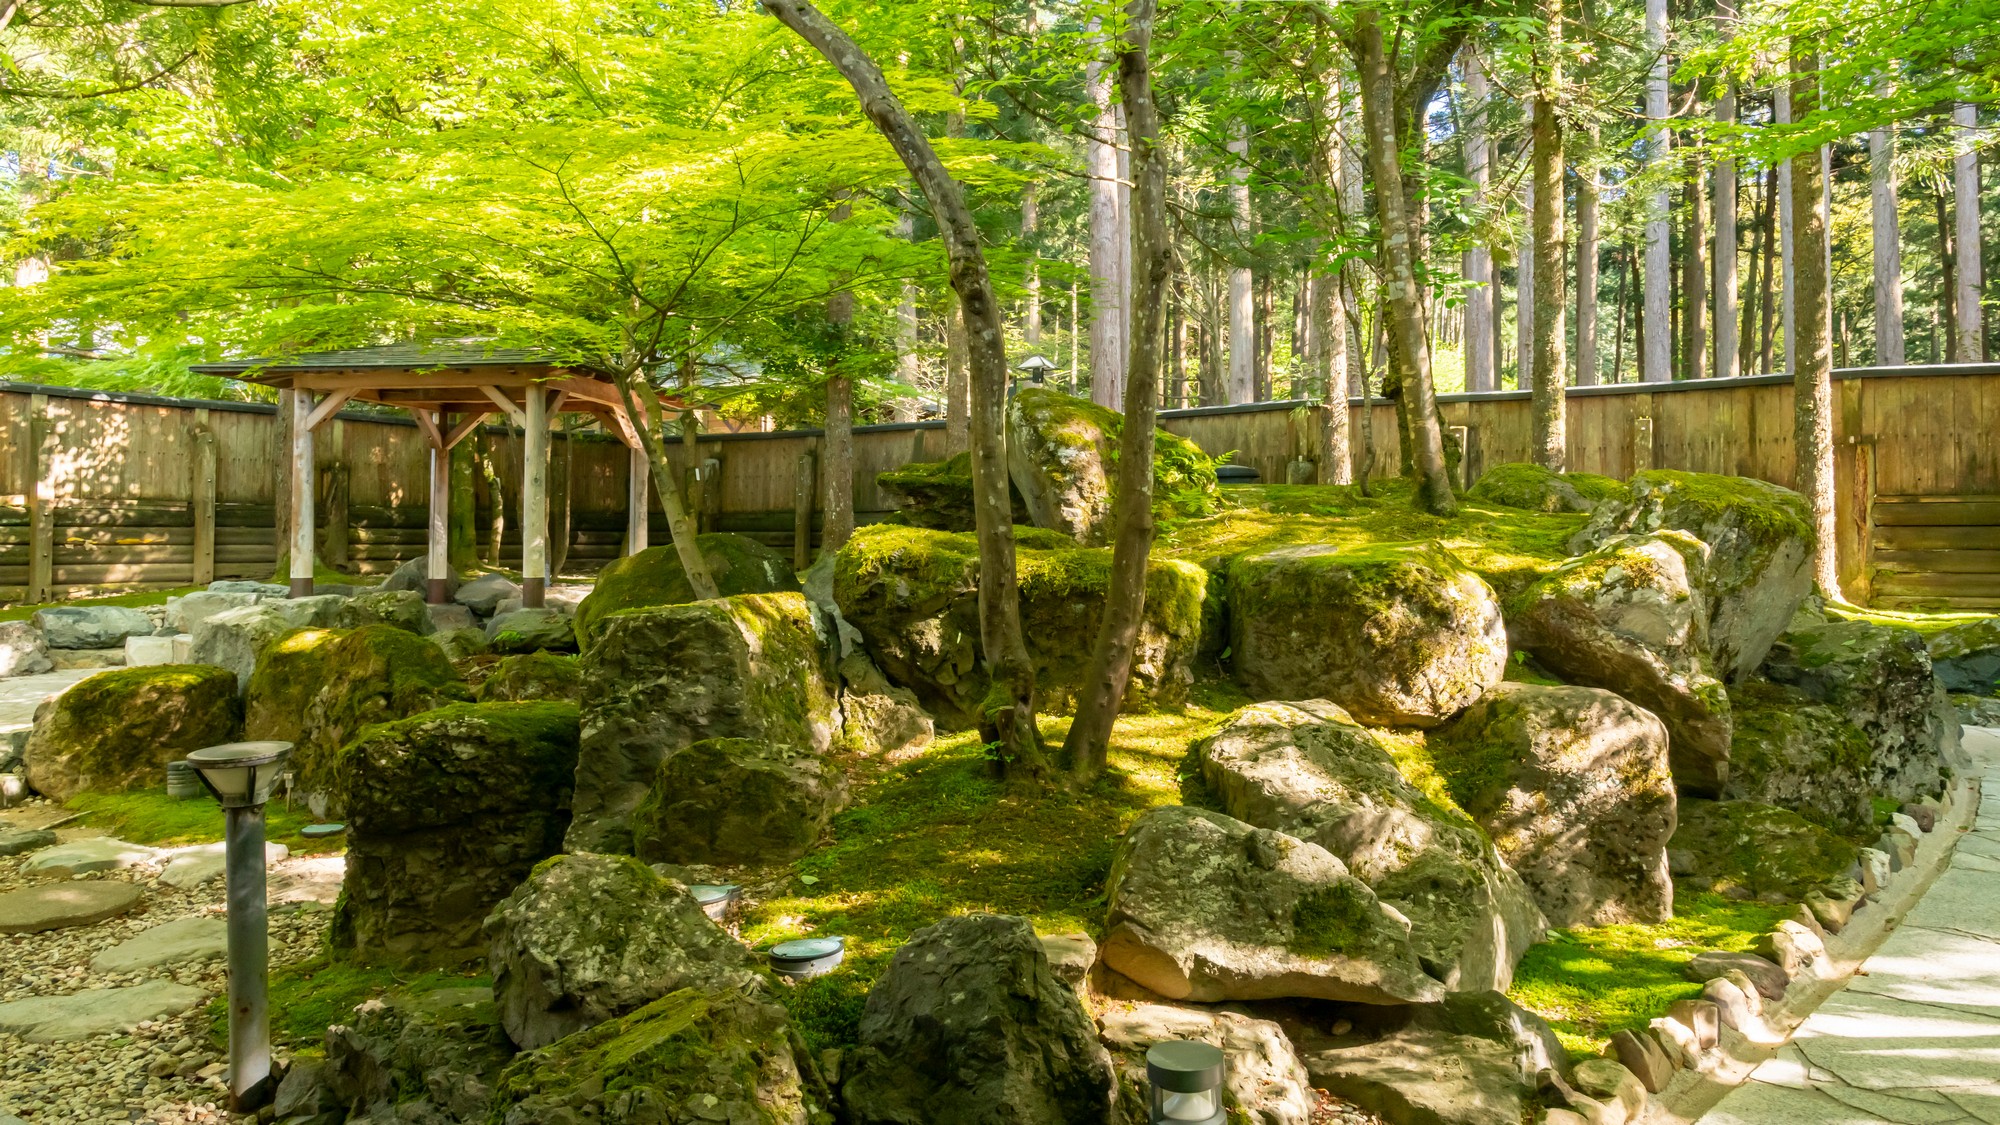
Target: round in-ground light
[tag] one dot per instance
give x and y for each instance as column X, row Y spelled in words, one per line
column 807, row 957
column 322, row 831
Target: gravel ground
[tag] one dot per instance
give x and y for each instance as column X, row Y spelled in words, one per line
column 165, row 1071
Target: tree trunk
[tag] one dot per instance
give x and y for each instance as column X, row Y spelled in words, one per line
column 1586, row 262
column 1948, row 258
column 1787, row 239
column 462, row 534
column 957, row 380
column 1656, row 349
column 1726, row 357
column 1889, row 345
column 907, row 367
column 1524, row 279
column 837, row 468
column 1618, row 331
column 1242, row 383
column 1550, row 440
column 1694, row 275
column 1409, row 349
column 1812, row 369
column 1478, row 257
column 631, row 388
column 1266, row 334
column 1152, row 260
column 1766, row 360
column 1012, row 723
column 1031, row 314
column 1107, row 231
column 1968, row 277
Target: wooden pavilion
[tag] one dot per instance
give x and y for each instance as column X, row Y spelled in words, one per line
column 449, row 387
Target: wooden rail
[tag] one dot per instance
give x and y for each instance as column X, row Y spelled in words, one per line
column 100, row 489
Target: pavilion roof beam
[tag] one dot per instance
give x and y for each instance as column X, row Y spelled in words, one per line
column 464, row 427
column 427, row 422
column 512, row 409
column 327, row 408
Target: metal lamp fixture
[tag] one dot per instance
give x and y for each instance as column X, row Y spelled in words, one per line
column 1037, row 366
column 242, row 776
column 1186, row 1080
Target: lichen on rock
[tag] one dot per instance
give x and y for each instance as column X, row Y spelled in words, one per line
column 1803, row 756
column 654, row 576
column 533, row 675
column 736, row 801
column 1062, row 456
column 290, row 672
column 1878, row 677
column 1757, row 851
column 118, row 729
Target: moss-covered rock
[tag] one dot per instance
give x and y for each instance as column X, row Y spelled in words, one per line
column 1519, row 484
column 1760, row 552
column 1878, row 677
column 588, row 938
column 290, row 672
column 932, row 494
column 539, row 629
column 1062, row 455
column 654, row 576
column 1310, row 771
column 1632, row 617
column 119, row 729
column 722, row 1055
column 429, row 1056
column 1206, row 908
column 369, row 675
column 1572, row 785
column 914, row 596
column 447, row 812
column 533, row 675
column 402, row 608
column 1398, row 633
column 1966, row 658
column 1802, row 756
column 735, row 801
column 1762, row 851
column 658, row 680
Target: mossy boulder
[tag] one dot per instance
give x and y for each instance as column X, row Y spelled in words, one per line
column 1750, row 850
column 1760, row 552
column 1878, row 677
column 1473, row 1059
column 1519, row 484
column 1632, row 617
column 1062, row 454
column 369, row 675
column 1966, row 658
column 588, row 938
column 234, row 638
column 1206, row 908
column 402, row 608
column 290, row 671
column 1399, row 634
column 658, row 680
column 1803, row 756
column 736, row 801
column 1263, row 1082
column 723, row 1055
column 119, row 729
column 1310, row 771
column 447, row 812
column 913, row 595
column 654, row 576
column 428, row 1056
column 539, row 629
column 969, row 1025
column 533, row 675
column 1572, row 786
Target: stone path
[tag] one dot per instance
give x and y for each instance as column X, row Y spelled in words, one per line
column 1914, row 1038
column 20, row 695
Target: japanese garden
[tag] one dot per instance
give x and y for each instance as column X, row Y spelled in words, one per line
column 989, row 563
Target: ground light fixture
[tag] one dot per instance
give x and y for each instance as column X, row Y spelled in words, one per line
column 1186, row 1078
column 1037, row 366
column 242, row 776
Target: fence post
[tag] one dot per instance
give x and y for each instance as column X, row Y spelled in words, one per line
column 204, row 499
column 1463, row 436
column 41, row 501
column 804, row 481
column 1642, row 443
column 334, row 532
column 1855, row 543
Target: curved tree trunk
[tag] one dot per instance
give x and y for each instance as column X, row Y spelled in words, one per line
column 1001, row 641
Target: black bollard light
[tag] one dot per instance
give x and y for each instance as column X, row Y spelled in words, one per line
column 1186, row 1077
column 242, row 775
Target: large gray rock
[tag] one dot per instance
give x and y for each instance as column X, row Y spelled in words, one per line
column 118, row 730
column 483, row 594
column 1760, row 548
column 969, row 1026
column 58, row 906
column 95, row 1011
column 1399, row 634
column 170, row 943
column 1632, row 617
column 447, row 811
column 1207, row 908
column 531, row 630
column 1800, row 755
column 402, row 608
column 661, row 679
column 1263, row 1081
column 1879, row 678
column 414, row 574
column 588, row 938
column 1756, row 850
column 1062, row 457
column 233, row 638
column 1966, row 658
column 431, row 1058
column 91, row 626
column 1572, row 785
column 23, row 652
column 1309, row 771
column 16, row 841
column 189, row 610
column 735, row 802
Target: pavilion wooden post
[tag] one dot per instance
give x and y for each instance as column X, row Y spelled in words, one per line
column 535, row 499
column 437, row 568
column 303, row 479
column 638, row 500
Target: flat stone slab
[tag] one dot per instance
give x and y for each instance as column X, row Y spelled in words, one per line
column 174, row 943
column 96, row 1011
column 191, row 867
column 314, row 881
column 56, row 906
column 14, row 841
column 94, row 853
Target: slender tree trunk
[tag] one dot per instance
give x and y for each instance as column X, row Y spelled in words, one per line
column 1395, row 246
column 1586, row 261
column 957, row 380
column 1889, row 345
column 1746, row 344
column 1107, row 257
column 1031, row 318
column 1549, row 446
column 1727, row 360
column 1694, row 274
column 1001, row 639
column 1767, row 361
column 907, row 367
column 1266, row 336
column 1948, row 259
column 1478, row 257
column 837, row 470
column 1969, row 276
column 1618, row 333
column 1656, row 349
column 1152, row 260
column 1524, row 277
column 631, row 390
column 463, row 532
column 1787, row 239
column 1812, row 369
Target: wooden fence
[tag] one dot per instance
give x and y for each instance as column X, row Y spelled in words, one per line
column 131, row 491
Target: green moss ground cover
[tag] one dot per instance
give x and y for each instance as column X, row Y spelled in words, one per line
column 25, row 610
column 150, row 817
column 309, row 996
